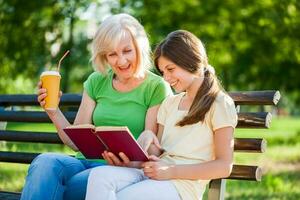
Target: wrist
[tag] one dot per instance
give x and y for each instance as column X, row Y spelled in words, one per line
column 135, row 164
column 149, row 131
column 173, row 172
column 52, row 113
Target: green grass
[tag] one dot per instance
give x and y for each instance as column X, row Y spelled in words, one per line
column 274, row 186
column 30, row 127
column 280, row 163
column 12, row 175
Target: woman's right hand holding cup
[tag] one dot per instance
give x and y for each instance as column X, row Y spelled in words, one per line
column 42, row 94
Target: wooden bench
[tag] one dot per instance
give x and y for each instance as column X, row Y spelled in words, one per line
column 216, row 187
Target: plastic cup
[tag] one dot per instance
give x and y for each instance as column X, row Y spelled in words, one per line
column 51, row 81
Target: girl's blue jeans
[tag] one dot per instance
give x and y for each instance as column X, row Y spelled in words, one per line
column 53, row 176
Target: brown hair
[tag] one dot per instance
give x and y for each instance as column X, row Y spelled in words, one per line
column 187, row 51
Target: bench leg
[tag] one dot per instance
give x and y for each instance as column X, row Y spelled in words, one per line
column 216, row 189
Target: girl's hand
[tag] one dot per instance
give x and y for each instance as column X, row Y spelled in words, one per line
column 146, row 139
column 157, row 169
column 42, row 93
column 121, row 161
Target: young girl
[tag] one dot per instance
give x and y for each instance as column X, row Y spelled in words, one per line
column 195, row 131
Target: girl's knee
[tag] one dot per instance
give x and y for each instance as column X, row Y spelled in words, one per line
column 104, row 174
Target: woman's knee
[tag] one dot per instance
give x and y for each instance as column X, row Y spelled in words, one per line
column 46, row 161
column 54, row 164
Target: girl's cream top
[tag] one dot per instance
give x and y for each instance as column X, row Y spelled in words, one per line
column 192, row 144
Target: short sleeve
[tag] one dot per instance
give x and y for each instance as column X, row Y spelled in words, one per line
column 89, row 85
column 161, row 91
column 163, row 111
column 223, row 113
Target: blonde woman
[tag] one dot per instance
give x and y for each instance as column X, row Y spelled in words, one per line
column 195, row 130
column 121, row 92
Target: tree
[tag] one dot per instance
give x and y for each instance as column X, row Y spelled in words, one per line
column 28, row 34
column 254, row 45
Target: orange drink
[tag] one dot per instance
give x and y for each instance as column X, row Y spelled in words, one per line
column 51, row 81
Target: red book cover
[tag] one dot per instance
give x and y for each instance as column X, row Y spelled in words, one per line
column 86, row 141
column 120, row 139
column 92, row 142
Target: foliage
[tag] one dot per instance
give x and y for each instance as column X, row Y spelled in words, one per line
column 254, row 45
column 29, row 36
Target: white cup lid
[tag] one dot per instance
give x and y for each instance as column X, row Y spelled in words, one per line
column 55, row 73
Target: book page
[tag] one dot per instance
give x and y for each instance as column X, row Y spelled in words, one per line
column 112, row 128
column 91, row 126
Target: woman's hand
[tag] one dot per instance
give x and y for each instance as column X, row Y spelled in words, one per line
column 121, row 161
column 42, row 93
column 148, row 138
column 157, row 169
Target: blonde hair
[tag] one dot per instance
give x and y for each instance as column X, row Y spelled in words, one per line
column 187, row 51
column 108, row 36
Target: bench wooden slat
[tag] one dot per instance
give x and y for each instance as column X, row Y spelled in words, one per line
column 252, row 145
column 246, row 172
column 25, row 136
column 10, row 195
column 267, row 97
column 245, row 120
column 254, row 120
column 241, row 172
column 32, row 116
column 18, row 157
column 31, row 100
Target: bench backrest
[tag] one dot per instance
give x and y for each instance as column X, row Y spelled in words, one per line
column 245, row 120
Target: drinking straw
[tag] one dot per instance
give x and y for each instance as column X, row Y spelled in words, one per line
column 66, row 53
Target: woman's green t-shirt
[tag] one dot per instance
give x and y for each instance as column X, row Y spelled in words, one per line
column 114, row 108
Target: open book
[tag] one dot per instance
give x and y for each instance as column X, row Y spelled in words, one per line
column 93, row 141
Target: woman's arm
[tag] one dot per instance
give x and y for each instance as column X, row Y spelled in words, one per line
column 86, row 109
column 218, row 168
column 84, row 116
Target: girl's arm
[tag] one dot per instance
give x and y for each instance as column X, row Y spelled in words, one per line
column 150, row 119
column 148, row 138
column 155, row 148
column 218, row 168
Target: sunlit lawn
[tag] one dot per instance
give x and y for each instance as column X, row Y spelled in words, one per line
column 281, row 162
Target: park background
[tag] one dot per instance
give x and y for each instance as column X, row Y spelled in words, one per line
column 253, row 45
